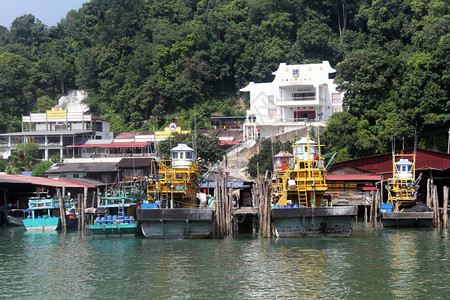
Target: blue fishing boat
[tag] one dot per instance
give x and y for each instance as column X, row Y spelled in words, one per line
column 44, row 214
column 116, row 215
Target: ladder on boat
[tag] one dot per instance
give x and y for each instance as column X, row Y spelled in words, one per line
column 302, row 194
column 120, row 210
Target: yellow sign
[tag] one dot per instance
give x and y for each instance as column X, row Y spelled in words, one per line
column 57, row 113
column 168, row 131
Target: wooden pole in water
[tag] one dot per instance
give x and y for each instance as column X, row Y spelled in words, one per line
column 445, row 208
column 377, row 200
column 225, row 204
column 429, row 184
column 98, row 198
column 372, row 205
column 79, row 210
column 83, row 221
column 437, row 216
column 62, row 209
column 266, row 199
column 216, row 211
column 5, row 201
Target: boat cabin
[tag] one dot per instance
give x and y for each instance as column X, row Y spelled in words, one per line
column 301, row 149
column 281, row 161
column 182, row 156
column 403, row 169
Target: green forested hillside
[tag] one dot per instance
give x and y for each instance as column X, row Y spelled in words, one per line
column 145, row 63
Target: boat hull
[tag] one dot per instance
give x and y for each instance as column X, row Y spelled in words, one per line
column 48, row 224
column 407, row 219
column 180, row 223
column 113, row 229
column 15, row 221
column 44, row 224
column 313, row 221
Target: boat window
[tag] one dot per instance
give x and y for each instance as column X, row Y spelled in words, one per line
column 175, row 155
column 278, row 162
column 179, row 176
column 284, row 161
column 189, row 155
column 181, row 155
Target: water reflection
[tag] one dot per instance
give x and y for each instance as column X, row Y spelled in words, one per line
column 401, row 248
column 373, row 263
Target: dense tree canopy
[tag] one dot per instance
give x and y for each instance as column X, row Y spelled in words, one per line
column 146, row 63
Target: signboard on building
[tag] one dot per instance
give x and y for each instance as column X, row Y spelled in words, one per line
column 57, row 113
column 172, row 126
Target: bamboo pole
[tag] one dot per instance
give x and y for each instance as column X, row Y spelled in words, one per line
column 62, row 209
column 445, row 208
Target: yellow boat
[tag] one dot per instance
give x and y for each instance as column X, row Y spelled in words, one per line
column 172, row 208
column 299, row 206
column 402, row 209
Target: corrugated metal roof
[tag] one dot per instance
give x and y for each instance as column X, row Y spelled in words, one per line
column 354, row 177
column 137, row 162
column 36, row 133
column 382, row 164
column 114, row 145
column 83, row 167
column 44, row 181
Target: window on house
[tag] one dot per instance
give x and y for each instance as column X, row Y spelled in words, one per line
column 336, row 98
column 272, row 113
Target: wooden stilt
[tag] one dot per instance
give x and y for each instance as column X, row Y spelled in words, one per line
column 445, row 208
column 5, row 201
column 62, row 209
column 79, row 211
column 372, row 208
column 83, row 207
column 429, row 185
column 437, row 216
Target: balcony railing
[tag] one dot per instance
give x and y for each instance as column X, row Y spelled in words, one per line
column 305, row 98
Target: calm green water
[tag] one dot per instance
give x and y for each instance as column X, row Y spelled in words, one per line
column 372, row 264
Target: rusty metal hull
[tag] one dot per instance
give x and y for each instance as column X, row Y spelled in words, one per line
column 313, row 221
column 178, row 223
column 407, row 219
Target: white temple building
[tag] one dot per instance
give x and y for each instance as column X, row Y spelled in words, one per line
column 299, row 95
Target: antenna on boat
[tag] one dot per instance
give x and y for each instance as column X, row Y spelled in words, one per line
column 194, row 135
column 415, row 140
